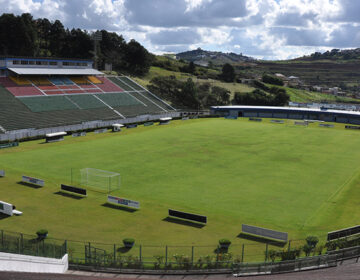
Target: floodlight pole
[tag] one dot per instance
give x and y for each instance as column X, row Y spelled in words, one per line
column 96, row 37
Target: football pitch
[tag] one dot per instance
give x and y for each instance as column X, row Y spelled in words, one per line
column 302, row 180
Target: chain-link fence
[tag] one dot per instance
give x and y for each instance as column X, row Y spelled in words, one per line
column 249, row 255
column 169, row 257
column 19, row 243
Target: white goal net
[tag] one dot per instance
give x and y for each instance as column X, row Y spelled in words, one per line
column 100, row 179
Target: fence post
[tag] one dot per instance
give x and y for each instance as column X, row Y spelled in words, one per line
column 65, row 246
column 140, row 254
column 242, row 253
column 266, row 252
column 89, row 253
column 289, row 246
column 114, row 253
column 22, row 243
column 2, row 238
column 166, row 255
column 192, row 255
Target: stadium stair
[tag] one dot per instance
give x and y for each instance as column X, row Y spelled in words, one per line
column 58, row 110
column 16, row 115
column 120, row 83
column 141, row 93
column 86, row 101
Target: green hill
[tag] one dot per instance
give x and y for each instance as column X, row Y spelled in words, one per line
column 296, row 95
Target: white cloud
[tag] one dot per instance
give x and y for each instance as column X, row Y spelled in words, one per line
column 262, row 28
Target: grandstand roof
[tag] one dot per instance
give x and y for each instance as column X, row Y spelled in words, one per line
column 54, row 71
column 2, row 57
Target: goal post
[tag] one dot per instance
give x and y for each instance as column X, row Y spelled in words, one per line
column 101, row 180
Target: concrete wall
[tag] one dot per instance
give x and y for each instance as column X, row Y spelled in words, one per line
column 23, row 263
column 265, row 115
column 26, row 133
column 250, row 114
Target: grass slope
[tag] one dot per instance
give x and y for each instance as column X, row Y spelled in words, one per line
column 282, row 177
column 296, row 95
column 157, row 71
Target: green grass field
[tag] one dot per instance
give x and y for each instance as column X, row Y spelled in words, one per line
column 303, row 180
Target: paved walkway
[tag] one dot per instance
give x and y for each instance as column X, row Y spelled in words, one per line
column 348, row 270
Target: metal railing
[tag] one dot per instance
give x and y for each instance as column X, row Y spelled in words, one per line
column 33, row 133
column 241, row 259
column 328, row 260
column 24, row 244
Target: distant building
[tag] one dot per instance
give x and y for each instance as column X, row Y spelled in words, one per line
column 317, row 88
column 281, row 76
column 294, row 81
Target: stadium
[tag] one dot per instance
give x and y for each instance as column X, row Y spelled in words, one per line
column 264, row 178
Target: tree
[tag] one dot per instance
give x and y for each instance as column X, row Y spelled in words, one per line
column 44, row 30
column 272, row 80
column 256, row 97
column 137, row 58
column 189, row 97
column 228, row 73
column 222, row 95
column 24, row 36
column 307, row 249
column 112, row 50
column 57, row 37
column 204, row 94
column 18, row 35
column 168, row 88
column 191, row 68
column 280, row 97
column 28, row 35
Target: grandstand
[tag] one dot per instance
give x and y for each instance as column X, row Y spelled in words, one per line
column 325, row 115
column 41, row 93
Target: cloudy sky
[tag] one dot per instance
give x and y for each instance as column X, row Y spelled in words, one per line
column 269, row 29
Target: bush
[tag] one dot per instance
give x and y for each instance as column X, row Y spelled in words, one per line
column 42, row 233
column 224, row 241
column 261, row 85
column 320, row 249
column 290, row 255
column 307, row 249
column 312, row 241
column 272, row 254
column 128, row 242
column 272, row 80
